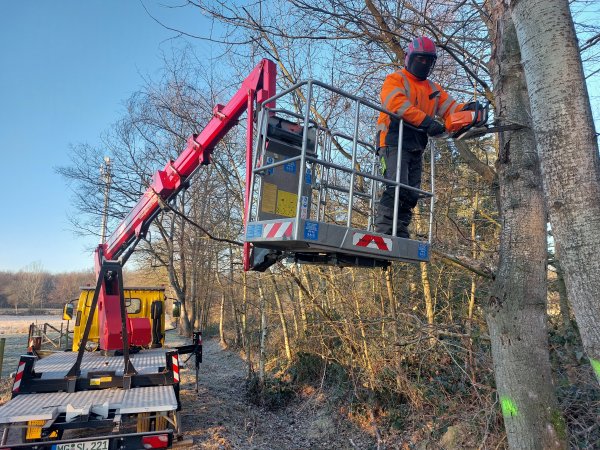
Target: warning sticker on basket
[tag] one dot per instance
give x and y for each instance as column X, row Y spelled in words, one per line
column 269, row 198
column 277, row 230
column 254, row 230
column 423, row 251
column 290, row 167
column 372, row 241
column 286, row 203
column 311, row 230
column 304, row 207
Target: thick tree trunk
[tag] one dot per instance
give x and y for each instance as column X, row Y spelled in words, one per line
column 516, row 310
column 567, row 146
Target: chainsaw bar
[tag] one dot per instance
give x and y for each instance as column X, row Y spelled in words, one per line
column 481, row 131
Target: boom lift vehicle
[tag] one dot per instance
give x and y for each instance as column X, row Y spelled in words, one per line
column 310, row 197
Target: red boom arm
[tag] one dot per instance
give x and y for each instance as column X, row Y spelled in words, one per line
column 261, row 84
column 166, row 183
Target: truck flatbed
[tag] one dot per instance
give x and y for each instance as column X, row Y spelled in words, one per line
column 48, row 406
column 58, row 364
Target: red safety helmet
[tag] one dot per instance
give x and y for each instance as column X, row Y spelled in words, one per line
column 421, row 46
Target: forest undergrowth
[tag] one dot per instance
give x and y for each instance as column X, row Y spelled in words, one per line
column 449, row 409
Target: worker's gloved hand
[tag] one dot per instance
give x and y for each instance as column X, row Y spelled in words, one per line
column 472, row 106
column 432, row 127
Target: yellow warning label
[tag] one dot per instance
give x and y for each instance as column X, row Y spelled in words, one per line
column 34, row 429
column 97, row 381
column 286, row 203
column 269, row 198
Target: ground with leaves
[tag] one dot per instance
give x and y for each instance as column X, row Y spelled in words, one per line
column 220, row 415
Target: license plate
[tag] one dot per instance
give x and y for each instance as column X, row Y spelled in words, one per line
column 89, row 445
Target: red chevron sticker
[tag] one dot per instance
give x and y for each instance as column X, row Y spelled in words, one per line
column 372, row 241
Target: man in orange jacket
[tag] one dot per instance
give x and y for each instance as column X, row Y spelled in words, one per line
column 417, row 100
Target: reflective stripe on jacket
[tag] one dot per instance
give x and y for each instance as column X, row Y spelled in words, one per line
column 414, row 100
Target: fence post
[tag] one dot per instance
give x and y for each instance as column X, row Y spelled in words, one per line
column 2, row 344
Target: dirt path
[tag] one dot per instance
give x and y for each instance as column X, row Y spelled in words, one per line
column 219, row 417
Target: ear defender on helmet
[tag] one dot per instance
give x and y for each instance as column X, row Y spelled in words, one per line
column 421, row 56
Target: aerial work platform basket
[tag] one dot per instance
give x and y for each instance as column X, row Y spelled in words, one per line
column 315, row 183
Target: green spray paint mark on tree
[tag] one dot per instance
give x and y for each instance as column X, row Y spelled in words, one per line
column 596, row 366
column 559, row 424
column 509, row 409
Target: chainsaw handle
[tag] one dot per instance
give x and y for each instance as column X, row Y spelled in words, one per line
column 484, row 109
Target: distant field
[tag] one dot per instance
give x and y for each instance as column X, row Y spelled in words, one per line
column 20, row 324
column 23, row 311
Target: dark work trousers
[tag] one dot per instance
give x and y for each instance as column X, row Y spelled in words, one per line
column 410, row 174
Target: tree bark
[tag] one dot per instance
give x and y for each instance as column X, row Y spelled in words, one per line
column 263, row 337
column 284, row 327
column 245, row 331
column 222, row 322
column 516, row 310
column 567, row 147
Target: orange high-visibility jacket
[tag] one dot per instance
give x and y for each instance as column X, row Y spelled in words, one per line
column 413, row 100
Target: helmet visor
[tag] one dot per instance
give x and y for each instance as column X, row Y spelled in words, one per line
column 421, row 65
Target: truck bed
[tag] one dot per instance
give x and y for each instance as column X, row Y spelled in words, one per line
column 58, row 364
column 48, row 406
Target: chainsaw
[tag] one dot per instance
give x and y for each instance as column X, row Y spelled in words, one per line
column 473, row 123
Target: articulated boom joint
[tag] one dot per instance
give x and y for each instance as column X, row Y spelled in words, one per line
column 218, row 112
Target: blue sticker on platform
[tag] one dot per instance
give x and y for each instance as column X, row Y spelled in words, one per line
column 254, row 231
column 308, row 178
column 423, row 251
column 270, row 160
column 290, row 167
column 311, row 230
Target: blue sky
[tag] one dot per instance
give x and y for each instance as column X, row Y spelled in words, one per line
column 67, row 67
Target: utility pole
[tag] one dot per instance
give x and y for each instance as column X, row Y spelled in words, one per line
column 107, row 179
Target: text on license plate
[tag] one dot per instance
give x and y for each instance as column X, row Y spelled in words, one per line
column 89, row 445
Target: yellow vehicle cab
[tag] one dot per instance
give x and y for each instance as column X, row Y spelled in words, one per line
column 141, row 302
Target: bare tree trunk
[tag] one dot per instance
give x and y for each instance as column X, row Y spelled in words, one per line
column 567, row 147
column 471, row 361
column 361, row 326
column 425, row 283
column 238, row 326
column 263, row 336
column 392, row 302
column 232, row 296
column 302, row 309
column 284, row 327
column 245, row 332
column 290, row 291
column 516, row 310
column 222, row 321
column 427, row 293
column 184, row 321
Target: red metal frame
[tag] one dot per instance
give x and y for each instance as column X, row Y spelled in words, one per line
column 257, row 87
